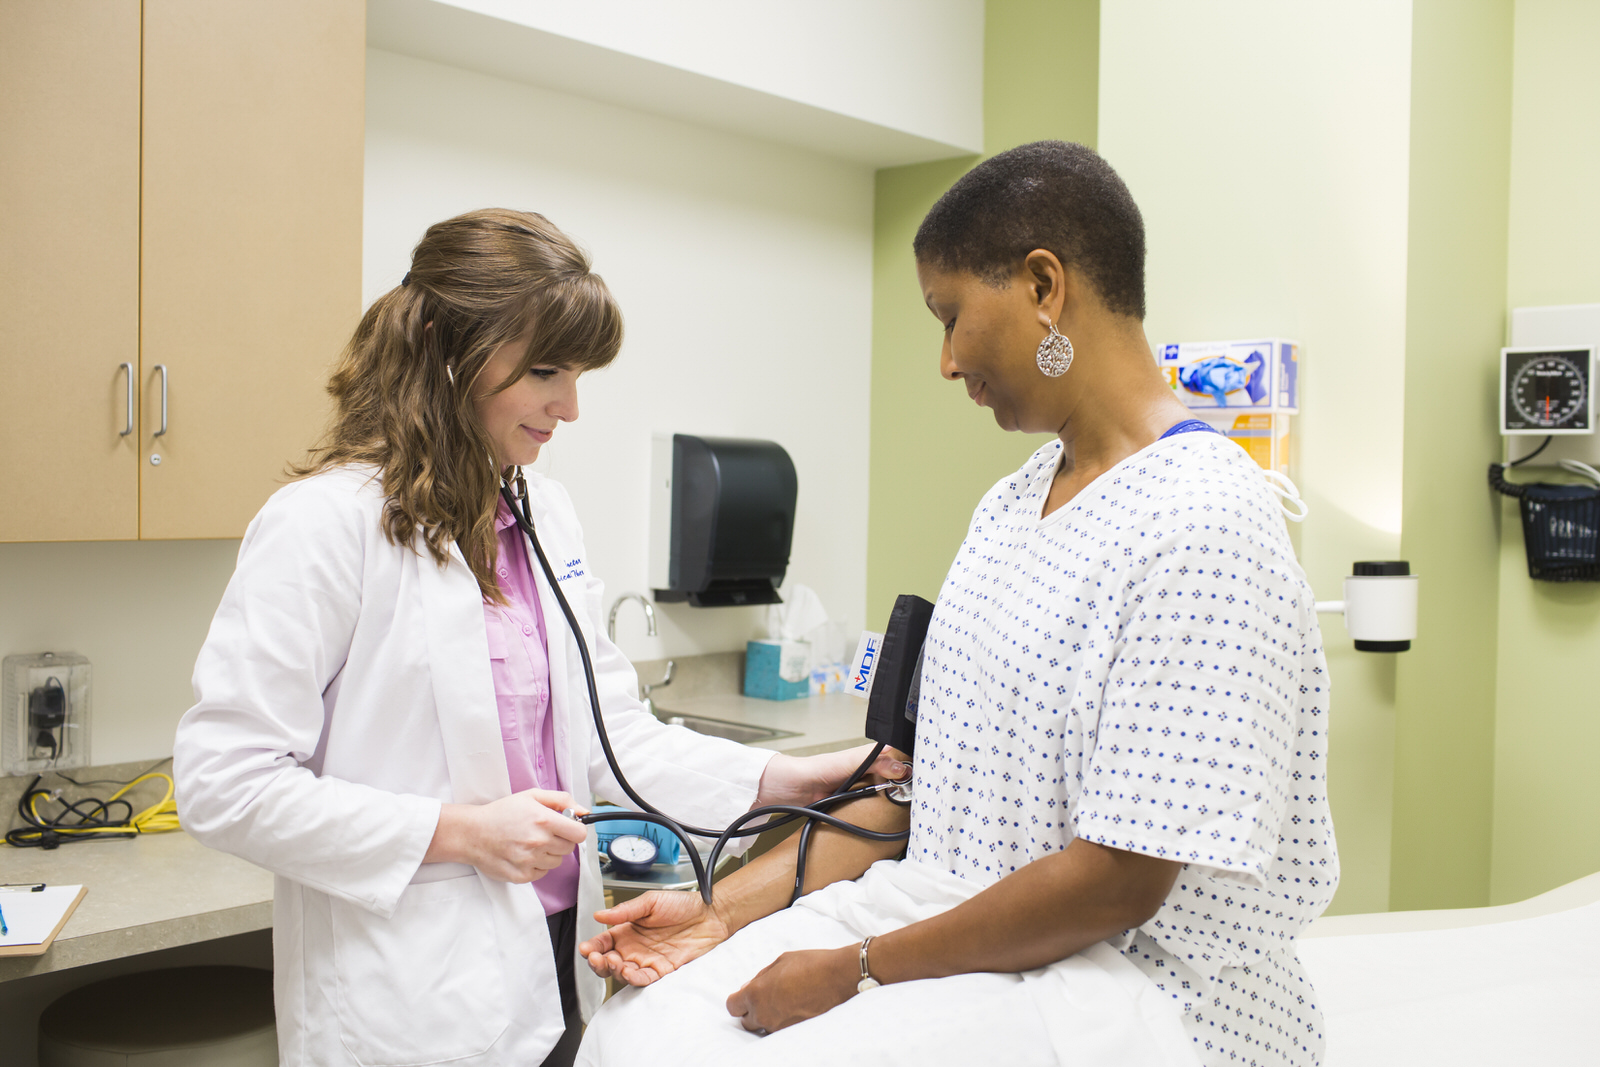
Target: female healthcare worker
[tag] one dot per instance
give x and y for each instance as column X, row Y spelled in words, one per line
column 1120, row 818
column 390, row 712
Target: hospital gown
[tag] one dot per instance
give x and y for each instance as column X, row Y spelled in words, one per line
column 1141, row 668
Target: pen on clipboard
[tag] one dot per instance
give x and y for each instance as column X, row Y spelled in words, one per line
column 4, row 929
column 18, row 887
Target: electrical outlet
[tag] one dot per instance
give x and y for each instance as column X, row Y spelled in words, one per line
column 44, row 712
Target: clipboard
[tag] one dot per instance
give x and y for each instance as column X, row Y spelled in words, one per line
column 35, row 914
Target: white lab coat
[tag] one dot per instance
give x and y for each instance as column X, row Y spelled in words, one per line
column 342, row 695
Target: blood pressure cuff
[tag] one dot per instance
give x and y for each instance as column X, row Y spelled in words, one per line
column 665, row 840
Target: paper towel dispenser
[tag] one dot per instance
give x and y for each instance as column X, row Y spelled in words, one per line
column 721, row 519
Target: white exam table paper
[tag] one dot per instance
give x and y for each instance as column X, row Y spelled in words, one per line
column 1092, row 1008
column 1521, row 991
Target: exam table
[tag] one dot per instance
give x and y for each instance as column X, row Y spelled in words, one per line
column 1515, row 984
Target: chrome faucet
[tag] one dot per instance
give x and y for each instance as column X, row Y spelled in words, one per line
column 650, row 631
column 649, row 615
column 646, row 690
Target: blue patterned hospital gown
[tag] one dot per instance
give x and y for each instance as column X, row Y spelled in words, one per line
column 1143, row 668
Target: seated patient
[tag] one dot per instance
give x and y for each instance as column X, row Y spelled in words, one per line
column 1120, row 818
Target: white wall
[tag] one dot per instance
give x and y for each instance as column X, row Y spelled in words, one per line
column 744, row 271
column 1267, row 145
column 138, row 609
column 910, row 65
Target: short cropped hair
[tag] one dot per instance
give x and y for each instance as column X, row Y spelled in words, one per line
column 1054, row 195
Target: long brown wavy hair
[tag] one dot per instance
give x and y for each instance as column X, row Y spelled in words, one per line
column 404, row 387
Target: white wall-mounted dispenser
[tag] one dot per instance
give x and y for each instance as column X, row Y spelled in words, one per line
column 721, row 519
column 1379, row 606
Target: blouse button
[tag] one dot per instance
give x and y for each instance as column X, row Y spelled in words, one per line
column 527, row 631
column 504, row 573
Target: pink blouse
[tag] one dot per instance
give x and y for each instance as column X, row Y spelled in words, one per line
column 519, row 661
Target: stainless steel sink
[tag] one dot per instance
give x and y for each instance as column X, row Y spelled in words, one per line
column 733, row 731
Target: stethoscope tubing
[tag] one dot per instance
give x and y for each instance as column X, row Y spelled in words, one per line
column 649, row 812
column 812, row 814
column 700, row 877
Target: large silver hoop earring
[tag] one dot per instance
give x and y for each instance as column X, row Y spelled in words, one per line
column 1055, row 353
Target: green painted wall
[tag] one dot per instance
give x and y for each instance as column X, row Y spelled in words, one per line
column 1547, row 740
column 1041, row 73
column 1455, row 318
column 1312, row 246
column 1495, row 722
column 934, row 454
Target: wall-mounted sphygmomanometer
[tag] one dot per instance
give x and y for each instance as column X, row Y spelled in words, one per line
column 721, row 519
column 1548, row 391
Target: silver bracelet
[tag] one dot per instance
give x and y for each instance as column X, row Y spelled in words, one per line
column 867, row 981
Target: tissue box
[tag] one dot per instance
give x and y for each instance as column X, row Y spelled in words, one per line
column 1263, row 374
column 763, row 670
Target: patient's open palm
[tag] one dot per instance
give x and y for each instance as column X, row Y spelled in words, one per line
column 653, row 935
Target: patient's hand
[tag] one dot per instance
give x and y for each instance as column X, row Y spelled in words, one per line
column 795, row 987
column 653, row 935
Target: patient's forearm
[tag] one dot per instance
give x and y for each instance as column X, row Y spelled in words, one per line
column 1043, row 912
column 1040, row 913
column 765, row 885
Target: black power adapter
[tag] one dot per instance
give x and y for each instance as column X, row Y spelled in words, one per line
column 897, row 675
column 47, row 714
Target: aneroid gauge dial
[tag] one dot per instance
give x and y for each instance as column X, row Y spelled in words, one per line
column 632, row 855
column 1547, row 391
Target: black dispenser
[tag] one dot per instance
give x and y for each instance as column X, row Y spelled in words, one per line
column 722, row 519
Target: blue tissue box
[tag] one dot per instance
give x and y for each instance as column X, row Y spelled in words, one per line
column 761, row 677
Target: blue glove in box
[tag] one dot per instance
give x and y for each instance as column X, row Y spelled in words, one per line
column 763, row 677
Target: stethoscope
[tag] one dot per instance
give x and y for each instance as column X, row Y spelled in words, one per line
column 898, row 792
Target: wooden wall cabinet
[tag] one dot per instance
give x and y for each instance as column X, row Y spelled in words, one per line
column 69, row 268
column 180, row 193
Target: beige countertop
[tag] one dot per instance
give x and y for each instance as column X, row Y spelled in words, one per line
column 824, row 723
column 164, row 890
column 145, row 893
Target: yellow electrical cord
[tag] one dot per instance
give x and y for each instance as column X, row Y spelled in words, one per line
column 158, row 818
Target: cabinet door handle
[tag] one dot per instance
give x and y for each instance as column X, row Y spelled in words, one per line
column 127, row 368
column 162, row 367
